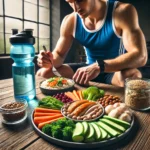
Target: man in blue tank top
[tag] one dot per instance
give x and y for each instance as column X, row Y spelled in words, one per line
column 113, row 41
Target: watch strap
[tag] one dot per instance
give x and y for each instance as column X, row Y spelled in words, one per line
column 101, row 64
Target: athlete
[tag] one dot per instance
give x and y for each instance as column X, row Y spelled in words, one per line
column 114, row 43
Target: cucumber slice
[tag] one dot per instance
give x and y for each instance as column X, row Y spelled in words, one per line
column 108, row 129
column 125, row 124
column 108, row 136
column 90, row 135
column 104, row 134
column 114, row 125
column 97, row 131
column 78, row 133
column 85, row 127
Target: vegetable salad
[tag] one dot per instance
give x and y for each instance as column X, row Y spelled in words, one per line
column 57, row 83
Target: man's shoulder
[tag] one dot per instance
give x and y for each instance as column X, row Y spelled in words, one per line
column 125, row 15
column 67, row 26
column 125, row 10
column 69, row 18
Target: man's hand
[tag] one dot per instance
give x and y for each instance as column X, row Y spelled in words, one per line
column 45, row 59
column 85, row 74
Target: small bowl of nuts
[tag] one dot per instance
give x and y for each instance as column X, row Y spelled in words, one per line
column 14, row 112
column 109, row 100
column 82, row 110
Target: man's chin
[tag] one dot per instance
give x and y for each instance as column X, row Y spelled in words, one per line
column 83, row 16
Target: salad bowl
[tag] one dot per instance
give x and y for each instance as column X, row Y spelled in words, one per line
column 56, row 85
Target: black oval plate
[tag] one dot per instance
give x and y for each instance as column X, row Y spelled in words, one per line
column 76, row 145
column 56, row 91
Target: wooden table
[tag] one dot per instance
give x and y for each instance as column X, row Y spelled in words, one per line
column 24, row 137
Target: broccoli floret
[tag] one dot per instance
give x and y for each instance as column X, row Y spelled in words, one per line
column 102, row 92
column 61, row 129
column 92, row 93
column 54, row 123
column 61, row 122
column 67, row 133
column 47, row 129
column 70, row 123
column 56, row 131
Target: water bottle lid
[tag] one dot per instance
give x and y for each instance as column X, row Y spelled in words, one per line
column 24, row 36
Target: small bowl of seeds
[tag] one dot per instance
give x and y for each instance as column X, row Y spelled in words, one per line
column 14, row 112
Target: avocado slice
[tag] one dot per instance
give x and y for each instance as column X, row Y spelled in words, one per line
column 114, row 125
column 108, row 129
column 97, row 131
column 85, row 127
column 78, row 135
column 124, row 124
column 90, row 137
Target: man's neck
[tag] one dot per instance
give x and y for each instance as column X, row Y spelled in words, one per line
column 99, row 11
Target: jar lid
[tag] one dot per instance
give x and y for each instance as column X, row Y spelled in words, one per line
column 24, row 36
column 137, row 83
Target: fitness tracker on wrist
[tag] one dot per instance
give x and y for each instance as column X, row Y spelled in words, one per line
column 101, row 64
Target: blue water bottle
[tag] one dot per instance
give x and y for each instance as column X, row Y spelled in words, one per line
column 23, row 72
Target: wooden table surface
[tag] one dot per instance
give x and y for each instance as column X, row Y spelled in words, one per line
column 24, row 137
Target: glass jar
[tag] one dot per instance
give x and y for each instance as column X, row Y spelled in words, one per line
column 137, row 93
column 14, row 112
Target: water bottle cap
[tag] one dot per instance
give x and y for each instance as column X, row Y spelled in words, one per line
column 24, row 36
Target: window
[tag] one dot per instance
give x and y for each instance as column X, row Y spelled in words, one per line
column 23, row 14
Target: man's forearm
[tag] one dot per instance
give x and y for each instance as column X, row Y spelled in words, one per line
column 57, row 60
column 128, row 60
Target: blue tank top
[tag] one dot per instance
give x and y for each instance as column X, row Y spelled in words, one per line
column 102, row 43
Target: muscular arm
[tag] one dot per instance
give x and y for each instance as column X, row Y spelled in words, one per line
column 46, row 60
column 133, row 39
column 65, row 41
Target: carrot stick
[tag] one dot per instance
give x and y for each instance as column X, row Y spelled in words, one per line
column 64, row 81
column 46, row 110
column 40, row 125
column 38, row 114
column 41, row 119
column 53, row 83
column 70, row 95
column 76, row 95
column 80, row 95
